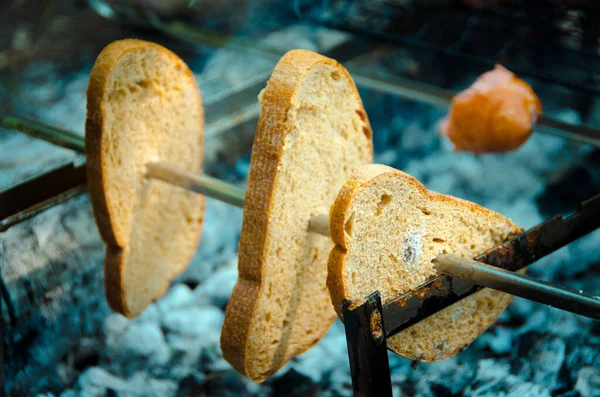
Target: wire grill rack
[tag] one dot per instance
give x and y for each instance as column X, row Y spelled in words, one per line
column 548, row 42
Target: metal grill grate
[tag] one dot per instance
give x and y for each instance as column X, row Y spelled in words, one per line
column 550, row 43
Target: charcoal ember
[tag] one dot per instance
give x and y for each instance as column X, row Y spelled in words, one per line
column 570, row 393
column 204, row 321
column 150, row 315
column 229, row 383
column 95, row 381
column 191, row 385
column 337, row 383
column 494, row 379
column 446, row 378
column 185, row 360
column 178, row 296
column 595, row 329
column 296, row 383
column 211, row 359
column 498, row 340
column 216, row 289
column 541, row 358
column 580, row 357
column 588, row 382
column 307, row 365
column 142, row 384
column 85, row 354
column 139, row 345
column 220, row 235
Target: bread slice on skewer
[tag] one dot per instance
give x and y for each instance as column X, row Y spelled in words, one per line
column 387, row 229
column 312, row 134
column 143, row 106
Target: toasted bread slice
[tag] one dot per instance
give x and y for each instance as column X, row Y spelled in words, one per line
column 312, row 134
column 143, row 106
column 388, row 228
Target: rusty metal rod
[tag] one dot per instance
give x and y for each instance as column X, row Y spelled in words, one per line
column 577, row 302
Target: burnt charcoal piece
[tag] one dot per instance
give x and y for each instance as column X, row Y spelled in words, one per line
column 493, row 379
column 595, row 330
column 577, row 185
column 571, row 393
column 294, row 384
column 580, row 357
column 227, row 383
column 541, row 358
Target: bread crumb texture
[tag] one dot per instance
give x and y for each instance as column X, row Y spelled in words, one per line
column 312, row 134
column 143, row 106
column 388, row 228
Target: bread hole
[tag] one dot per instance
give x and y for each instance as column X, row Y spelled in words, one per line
column 383, row 202
column 361, row 114
column 438, row 240
column 472, row 246
column 425, row 211
column 143, row 84
column 336, row 75
column 353, row 277
column 367, row 131
column 268, row 317
column 278, row 252
column 349, row 226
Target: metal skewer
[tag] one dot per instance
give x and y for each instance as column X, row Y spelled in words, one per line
column 519, row 285
column 203, row 184
column 465, row 269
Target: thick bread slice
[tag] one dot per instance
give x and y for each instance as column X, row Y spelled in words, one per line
column 312, row 134
column 388, row 228
column 143, row 106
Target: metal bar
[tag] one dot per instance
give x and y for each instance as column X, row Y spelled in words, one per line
column 439, row 97
column 203, row 184
column 447, row 51
column 518, row 253
column 40, row 193
column 519, row 285
column 2, row 386
column 367, row 348
column 381, row 82
column 54, row 135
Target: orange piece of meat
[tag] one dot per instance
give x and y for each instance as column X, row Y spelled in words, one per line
column 494, row 115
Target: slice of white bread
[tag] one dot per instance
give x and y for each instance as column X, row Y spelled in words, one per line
column 143, row 106
column 388, row 228
column 312, row 134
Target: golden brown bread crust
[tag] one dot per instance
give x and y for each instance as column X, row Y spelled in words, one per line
column 97, row 92
column 343, row 209
column 263, row 177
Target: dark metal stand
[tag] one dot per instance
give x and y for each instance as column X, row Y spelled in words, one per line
column 369, row 323
column 2, row 387
column 367, row 348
